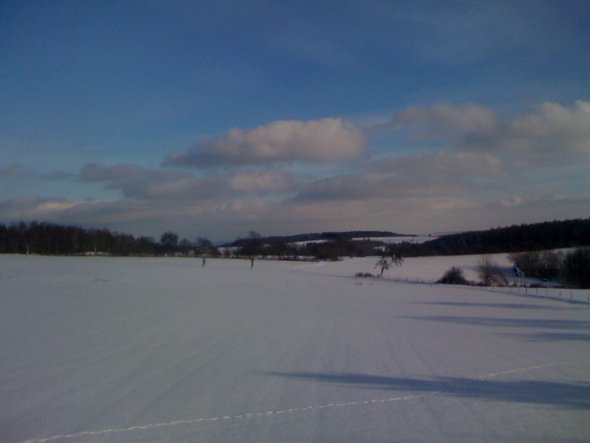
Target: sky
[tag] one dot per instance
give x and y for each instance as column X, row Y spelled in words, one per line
column 218, row 118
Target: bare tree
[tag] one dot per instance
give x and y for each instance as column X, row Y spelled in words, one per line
column 538, row 264
column 396, row 258
column 204, row 246
column 384, row 264
column 169, row 241
column 252, row 246
column 389, row 259
column 489, row 273
column 185, row 246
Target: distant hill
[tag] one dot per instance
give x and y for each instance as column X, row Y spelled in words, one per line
column 537, row 236
column 51, row 239
column 315, row 236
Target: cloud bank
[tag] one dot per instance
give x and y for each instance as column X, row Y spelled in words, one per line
column 478, row 169
column 550, row 132
column 326, row 140
column 139, row 183
column 444, row 121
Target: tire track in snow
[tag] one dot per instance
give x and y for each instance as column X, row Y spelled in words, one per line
column 249, row 415
column 517, row 370
column 226, row 418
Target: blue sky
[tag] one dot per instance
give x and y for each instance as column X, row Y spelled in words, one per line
column 216, row 118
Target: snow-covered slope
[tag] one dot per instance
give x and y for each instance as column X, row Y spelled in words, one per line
column 405, row 238
column 162, row 350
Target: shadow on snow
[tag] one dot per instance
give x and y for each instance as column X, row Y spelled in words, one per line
column 553, row 336
column 567, row 395
column 490, row 305
column 507, row 322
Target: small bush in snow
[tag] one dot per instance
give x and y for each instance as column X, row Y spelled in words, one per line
column 363, row 275
column 454, row 276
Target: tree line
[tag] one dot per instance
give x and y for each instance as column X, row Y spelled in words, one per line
column 53, row 239
column 517, row 238
column 328, row 236
column 570, row 269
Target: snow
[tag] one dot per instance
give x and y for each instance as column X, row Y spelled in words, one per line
column 388, row 240
column 156, row 350
column 405, row 238
column 431, row 269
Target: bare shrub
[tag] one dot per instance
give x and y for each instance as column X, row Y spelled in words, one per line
column 363, row 275
column 489, row 273
column 383, row 264
column 388, row 260
column 454, row 276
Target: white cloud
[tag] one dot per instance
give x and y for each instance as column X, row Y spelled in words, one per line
column 139, row 183
column 316, row 141
column 511, row 202
column 447, row 122
column 435, row 174
column 441, row 166
column 135, row 182
column 538, row 202
column 474, row 176
column 42, row 209
column 262, row 182
column 95, row 172
column 550, row 132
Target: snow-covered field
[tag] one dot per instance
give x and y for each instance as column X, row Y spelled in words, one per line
column 390, row 240
column 163, row 350
column 404, row 238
